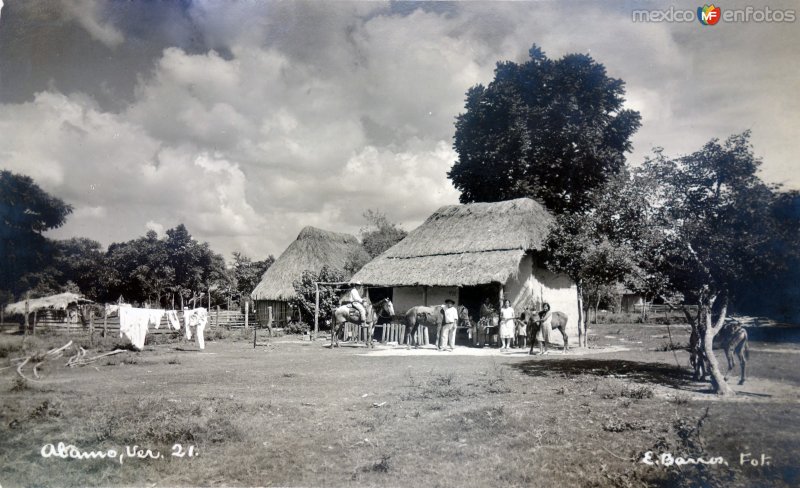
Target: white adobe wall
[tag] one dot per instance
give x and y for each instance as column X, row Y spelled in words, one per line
column 437, row 295
column 535, row 285
column 405, row 297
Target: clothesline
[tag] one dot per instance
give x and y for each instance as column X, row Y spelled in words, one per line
column 135, row 322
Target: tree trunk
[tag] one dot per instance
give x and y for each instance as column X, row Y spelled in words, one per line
column 581, row 318
column 596, row 306
column 717, row 379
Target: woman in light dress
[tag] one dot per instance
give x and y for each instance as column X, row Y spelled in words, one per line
column 507, row 323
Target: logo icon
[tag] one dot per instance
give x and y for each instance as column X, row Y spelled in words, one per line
column 708, row 14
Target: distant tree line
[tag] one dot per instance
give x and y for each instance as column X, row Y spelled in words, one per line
column 145, row 269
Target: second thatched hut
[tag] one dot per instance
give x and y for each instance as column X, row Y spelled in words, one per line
column 313, row 249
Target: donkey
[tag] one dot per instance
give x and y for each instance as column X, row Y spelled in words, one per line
column 346, row 313
column 534, row 324
column 734, row 339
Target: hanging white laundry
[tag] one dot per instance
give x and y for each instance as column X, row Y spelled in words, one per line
column 197, row 319
column 134, row 322
column 172, row 318
column 111, row 309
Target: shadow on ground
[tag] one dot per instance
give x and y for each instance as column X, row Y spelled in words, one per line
column 656, row 373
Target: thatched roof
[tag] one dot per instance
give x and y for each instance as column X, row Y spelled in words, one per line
column 53, row 302
column 462, row 245
column 313, row 249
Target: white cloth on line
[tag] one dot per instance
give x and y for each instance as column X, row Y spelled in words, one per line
column 174, row 321
column 134, row 322
column 196, row 318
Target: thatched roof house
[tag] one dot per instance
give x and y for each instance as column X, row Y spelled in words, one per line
column 313, row 249
column 60, row 301
column 471, row 252
column 463, row 245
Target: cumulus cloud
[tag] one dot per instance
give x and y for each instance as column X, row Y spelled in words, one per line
column 308, row 114
column 88, row 14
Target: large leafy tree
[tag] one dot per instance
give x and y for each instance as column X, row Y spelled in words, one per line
column 379, row 234
column 82, row 261
column 247, row 273
column 150, row 268
column 602, row 247
column 549, row 129
column 716, row 231
column 305, row 300
column 26, row 212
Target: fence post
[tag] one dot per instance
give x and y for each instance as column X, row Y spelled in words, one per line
column 316, row 312
column 246, row 313
column 27, row 311
column 217, row 319
column 269, row 320
column 91, row 327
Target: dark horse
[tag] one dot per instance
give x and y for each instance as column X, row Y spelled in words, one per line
column 346, row 313
column 533, row 321
column 430, row 317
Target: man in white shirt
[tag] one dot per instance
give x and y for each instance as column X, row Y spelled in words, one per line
column 352, row 297
column 447, row 333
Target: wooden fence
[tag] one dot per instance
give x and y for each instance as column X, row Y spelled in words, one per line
column 664, row 309
column 60, row 321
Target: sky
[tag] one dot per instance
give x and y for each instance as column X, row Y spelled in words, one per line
column 248, row 120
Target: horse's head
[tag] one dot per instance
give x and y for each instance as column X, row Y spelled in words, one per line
column 463, row 313
column 388, row 307
column 384, row 307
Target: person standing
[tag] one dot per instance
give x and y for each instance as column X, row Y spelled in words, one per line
column 486, row 314
column 507, row 324
column 447, row 334
column 545, row 326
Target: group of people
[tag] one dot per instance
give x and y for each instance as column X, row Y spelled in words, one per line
column 512, row 328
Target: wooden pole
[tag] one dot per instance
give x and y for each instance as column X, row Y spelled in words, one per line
column 34, row 323
column 27, row 311
column 209, row 304
column 316, row 313
column 105, row 320
column 91, row 327
column 269, row 320
column 246, row 313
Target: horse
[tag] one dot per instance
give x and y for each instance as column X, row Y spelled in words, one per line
column 347, row 313
column 734, row 339
column 558, row 321
column 429, row 317
column 422, row 315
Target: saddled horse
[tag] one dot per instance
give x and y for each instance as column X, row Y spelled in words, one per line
column 346, row 313
column 534, row 323
column 429, row 317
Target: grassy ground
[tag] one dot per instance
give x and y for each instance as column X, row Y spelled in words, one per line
column 295, row 413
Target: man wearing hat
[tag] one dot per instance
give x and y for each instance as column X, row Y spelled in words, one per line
column 352, row 297
column 447, row 333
